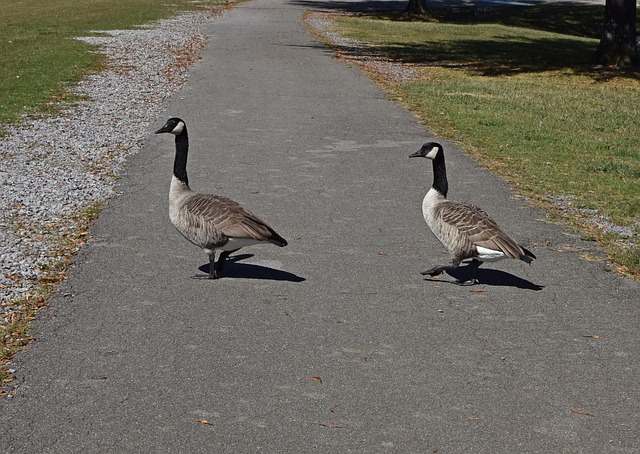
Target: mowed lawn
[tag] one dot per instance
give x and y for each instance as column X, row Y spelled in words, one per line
column 38, row 54
column 522, row 99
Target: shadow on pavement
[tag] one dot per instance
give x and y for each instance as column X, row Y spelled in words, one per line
column 490, row 277
column 232, row 269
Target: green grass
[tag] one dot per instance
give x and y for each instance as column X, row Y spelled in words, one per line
column 522, row 99
column 38, row 54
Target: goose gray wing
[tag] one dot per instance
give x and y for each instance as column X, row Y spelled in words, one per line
column 228, row 217
column 479, row 228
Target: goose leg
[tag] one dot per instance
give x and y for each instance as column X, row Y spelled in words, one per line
column 217, row 269
column 212, row 271
column 473, row 266
column 212, row 266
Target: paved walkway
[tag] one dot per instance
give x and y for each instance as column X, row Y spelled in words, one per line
column 334, row 343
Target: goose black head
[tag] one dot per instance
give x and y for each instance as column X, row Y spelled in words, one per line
column 429, row 150
column 173, row 125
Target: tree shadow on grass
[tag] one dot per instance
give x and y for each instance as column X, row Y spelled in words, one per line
column 578, row 29
column 500, row 56
column 369, row 6
column 568, row 19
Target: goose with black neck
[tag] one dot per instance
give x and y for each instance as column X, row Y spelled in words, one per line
column 209, row 221
column 464, row 230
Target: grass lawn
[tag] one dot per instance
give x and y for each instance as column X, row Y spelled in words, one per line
column 515, row 90
column 38, row 54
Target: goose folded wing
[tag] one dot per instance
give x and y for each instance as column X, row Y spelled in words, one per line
column 228, row 217
column 246, row 227
column 480, row 229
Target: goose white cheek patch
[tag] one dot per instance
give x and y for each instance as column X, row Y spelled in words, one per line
column 432, row 154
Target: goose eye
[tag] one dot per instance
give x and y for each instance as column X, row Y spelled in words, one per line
column 178, row 129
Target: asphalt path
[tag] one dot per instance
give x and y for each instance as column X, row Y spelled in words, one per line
column 335, row 343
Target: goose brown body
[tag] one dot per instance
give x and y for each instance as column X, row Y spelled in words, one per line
column 215, row 222
column 467, row 232
column 209, row 221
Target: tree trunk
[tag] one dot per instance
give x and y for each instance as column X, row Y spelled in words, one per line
column 416, row 7
column 618, row 44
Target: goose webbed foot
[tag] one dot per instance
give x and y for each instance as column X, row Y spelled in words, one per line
column 473, row 281
column 437, row 270
column 472, row 267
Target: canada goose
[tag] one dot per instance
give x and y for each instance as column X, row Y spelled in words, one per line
column 465, row 230
column 210, row 221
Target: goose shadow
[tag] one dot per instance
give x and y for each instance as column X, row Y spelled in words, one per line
column 491, row 277
column 232, row 269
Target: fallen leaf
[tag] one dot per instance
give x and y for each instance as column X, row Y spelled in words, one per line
column 316, row 379
column 580, row 412
column 478, row 290
column 204, row 421
column 332, row 426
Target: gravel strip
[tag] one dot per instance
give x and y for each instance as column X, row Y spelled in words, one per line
column 53, row 168
column 592, row 217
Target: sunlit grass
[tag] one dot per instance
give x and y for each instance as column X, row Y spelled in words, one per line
column 38, row 54
column 557, row 137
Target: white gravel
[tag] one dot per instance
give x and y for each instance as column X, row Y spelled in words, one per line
column 54, row 167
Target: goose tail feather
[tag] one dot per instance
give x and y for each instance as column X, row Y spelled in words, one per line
column 528, row 257
column 510, row 248
column 276, row 239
